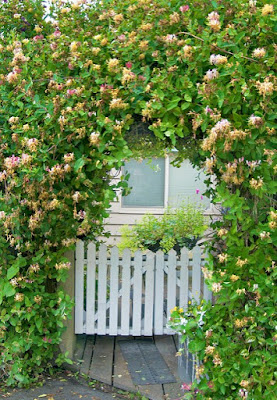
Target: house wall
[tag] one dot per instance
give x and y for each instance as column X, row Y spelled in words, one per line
column 120, row 216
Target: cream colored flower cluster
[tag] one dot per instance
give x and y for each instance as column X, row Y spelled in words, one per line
column 213, row 21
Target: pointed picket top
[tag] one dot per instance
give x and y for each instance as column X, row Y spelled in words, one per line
column 126, row 253
column 114, row 251
column 138, row 253
column 160, row 253
column 184, row 250
column 102, row 248
column 150, row 254
column 197, row 250
column 92, row 246
column 172, row 253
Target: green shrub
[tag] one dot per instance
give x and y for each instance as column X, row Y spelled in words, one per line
column 176, row 228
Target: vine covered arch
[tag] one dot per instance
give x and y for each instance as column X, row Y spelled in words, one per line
column 201, row 76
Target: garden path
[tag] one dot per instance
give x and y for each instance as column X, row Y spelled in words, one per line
column 101, row 358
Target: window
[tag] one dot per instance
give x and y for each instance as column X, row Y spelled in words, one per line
column 157, row 183
column 147, row 183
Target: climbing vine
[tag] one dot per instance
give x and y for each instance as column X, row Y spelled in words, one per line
column 201, row 76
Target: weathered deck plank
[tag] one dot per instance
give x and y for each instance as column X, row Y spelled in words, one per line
column 87, row 355
column 166, row 347
column 102, row 360
column 153, row 392
column 121, row 376
column 79, row 351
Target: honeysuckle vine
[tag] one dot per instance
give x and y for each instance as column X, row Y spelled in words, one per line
column 71, row 89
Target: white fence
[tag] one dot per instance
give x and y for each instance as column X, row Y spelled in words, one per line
column 133, row 294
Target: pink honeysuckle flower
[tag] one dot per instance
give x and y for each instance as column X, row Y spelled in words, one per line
column 243, row 393
column 141, row 78
column 53, row 46
column 208, row 110
column 128, row 65
column 186, row 386
column 197, row 191
column 105, row 87
column 211, row 385
column 184, row 8
column 121, row 38
column 70, row 92
column 57, row 33
column 37, row 38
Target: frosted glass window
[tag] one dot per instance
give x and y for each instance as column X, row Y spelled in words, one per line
column 147, row 183
column 186, row 184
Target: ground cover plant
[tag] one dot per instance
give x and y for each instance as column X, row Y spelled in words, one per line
column 201, row 75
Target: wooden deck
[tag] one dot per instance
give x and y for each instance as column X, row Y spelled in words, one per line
column 101, row 359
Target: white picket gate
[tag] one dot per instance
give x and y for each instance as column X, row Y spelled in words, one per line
column 133, row 295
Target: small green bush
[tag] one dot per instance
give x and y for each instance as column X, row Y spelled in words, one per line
column 176, row 228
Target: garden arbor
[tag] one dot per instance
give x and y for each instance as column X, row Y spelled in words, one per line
column 202, row 76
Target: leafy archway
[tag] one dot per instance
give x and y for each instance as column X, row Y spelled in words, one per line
column 201, row 76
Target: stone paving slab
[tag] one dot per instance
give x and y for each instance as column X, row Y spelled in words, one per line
column 65, row 388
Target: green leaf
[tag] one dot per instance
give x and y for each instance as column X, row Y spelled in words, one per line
column 38, row 322
column 220, row 98
column 19, row 377
column 12, row 271
column 239, row 37
column 184, row 106
column 8, row 290
column 196, row 345
column 174, row 103
column 188, row 97
column 79, row 164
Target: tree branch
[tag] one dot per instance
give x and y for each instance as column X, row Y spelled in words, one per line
column 216, row 47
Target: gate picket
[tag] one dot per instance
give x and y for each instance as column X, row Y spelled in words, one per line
column 159, row 294
column 114, row 292
column 149, row 295
column 196, row 273
column 184, row 277
column 207, row 294
column 90, row 302
column 79, row 288
column 126, row 290
column 171, row 282
column 137, row 290
column 102, row 290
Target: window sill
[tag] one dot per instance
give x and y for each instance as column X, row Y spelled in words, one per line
column 142, row 210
